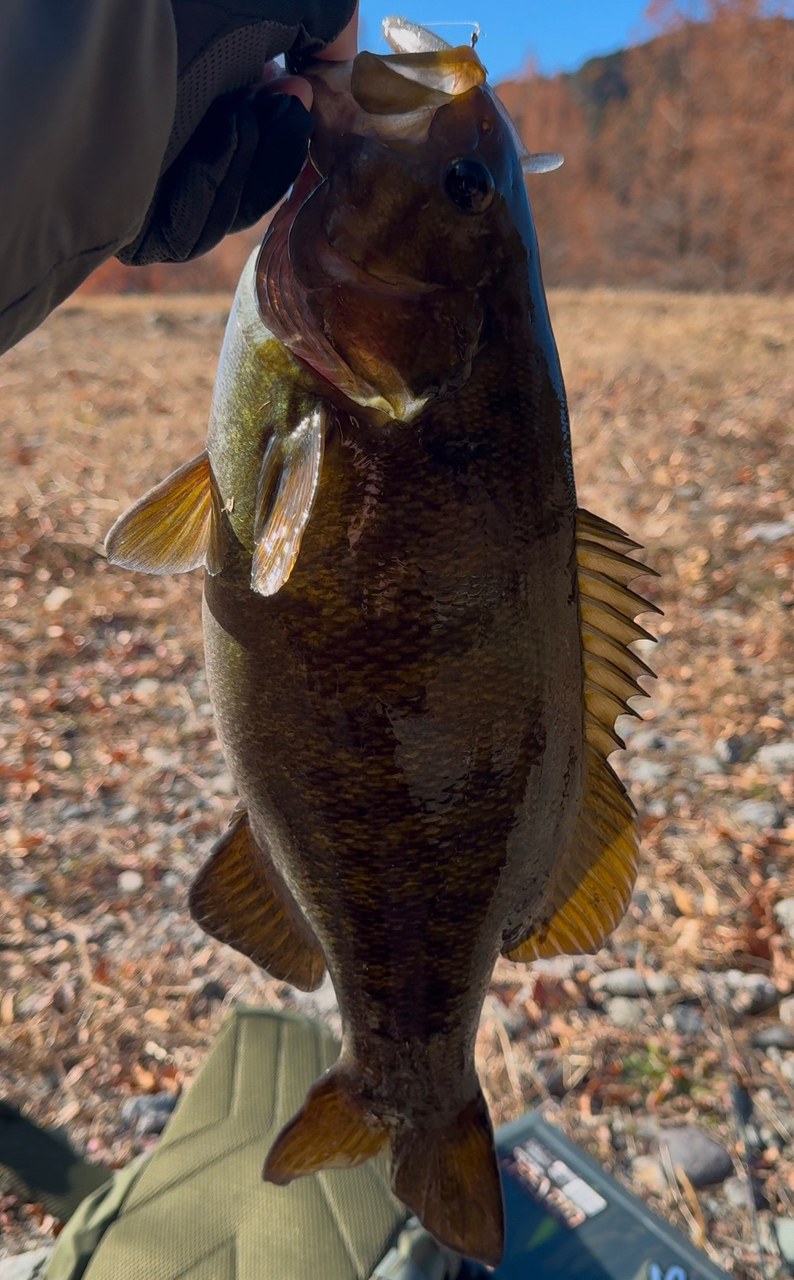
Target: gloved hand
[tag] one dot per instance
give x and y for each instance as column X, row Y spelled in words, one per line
column 234, row 148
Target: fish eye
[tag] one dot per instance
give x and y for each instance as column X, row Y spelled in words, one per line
column 469, row 185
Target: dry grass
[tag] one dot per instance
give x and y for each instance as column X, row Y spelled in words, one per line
column 682, row 419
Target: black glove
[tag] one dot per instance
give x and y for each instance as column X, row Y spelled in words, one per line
column 232, row 152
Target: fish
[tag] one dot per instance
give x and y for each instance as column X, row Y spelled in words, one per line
column 417, row 645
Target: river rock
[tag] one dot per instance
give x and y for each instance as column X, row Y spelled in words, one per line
column 758, row 813
column 784, row 1231
column 130, row 881
column 148, row 1113
column 646, row 771
column 630, row 982
column 775, row 1036
column 686, row 1019
column 776, row 757
column 647, row 1172
column 704, row 1160
column 786, row 1012
column 732, row 750
column 784, row 914
column 627, row 1012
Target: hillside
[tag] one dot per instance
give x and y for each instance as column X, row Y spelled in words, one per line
column 679, row 159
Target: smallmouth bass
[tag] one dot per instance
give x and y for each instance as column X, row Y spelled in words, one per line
column 417, row 646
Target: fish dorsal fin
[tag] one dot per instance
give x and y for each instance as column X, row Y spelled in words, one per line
column 240, row 898
column 174, row 527
column 595, row 873
column 288, row 481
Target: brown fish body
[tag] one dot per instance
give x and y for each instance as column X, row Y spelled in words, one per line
column 416, row 646
column 404, row 718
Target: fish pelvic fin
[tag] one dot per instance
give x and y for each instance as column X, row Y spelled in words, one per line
column 240, row 898
column 288, row 482
column 332, row 1130
column 596, row 872
column 451, row 1181
column 174, row 527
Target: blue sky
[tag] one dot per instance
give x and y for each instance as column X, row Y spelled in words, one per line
column 560, row 36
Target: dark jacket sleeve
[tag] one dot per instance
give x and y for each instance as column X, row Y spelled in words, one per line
column 87, row 98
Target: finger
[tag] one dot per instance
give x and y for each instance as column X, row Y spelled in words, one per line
column 345, row 46
column 275, row 80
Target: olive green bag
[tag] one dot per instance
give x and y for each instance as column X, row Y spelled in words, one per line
column 197, row 1208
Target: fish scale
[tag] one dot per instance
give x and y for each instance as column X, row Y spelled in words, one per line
column 416, row 645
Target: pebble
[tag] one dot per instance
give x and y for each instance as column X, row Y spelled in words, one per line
column 130, row 881
column 649, row 740
column 758, row 813
column 630, row 982
column 127, row 814
column 784, row 914
column 146, row 688
column 26, row 886
column 774, row 1037
column 732, row 750
column 703, row 766
column 648, row 1172
column 776, row 757
column 704, row 1160
column 744, row 993
column 686, row 1019
column 148, row 1113
column 56, row 599
column 741, row 1194
column 784, row 1231
column 627, row 1012
column 769, row 531
column 62, row 759
column 646, row 771
column 71, row 811
column 786, row 1012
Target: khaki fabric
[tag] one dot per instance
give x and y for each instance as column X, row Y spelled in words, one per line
column 199, row 1210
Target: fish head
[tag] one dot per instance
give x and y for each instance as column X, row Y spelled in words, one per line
column 380, row 268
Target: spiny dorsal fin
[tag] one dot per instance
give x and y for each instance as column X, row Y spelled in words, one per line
column 595, row 874
column 288, row 481
column 240, row 898
column 174, row 527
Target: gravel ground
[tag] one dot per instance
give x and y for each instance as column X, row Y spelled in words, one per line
column 113, row 787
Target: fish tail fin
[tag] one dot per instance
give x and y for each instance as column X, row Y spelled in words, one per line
column 451, row 1181
column 332, row 1130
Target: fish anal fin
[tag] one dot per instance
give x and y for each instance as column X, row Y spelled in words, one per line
column 288, row 481
column 174, row 527
column 595, row 873
column 239, row 898
column 332, row 1130
column 450, row 1178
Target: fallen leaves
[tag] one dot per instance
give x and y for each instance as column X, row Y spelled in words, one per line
column 109, row 764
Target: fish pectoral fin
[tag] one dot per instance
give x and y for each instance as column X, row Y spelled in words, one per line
column 331, row 1131
column 240, row 898
column 595, row 874
column 288, row 481
column 450, row 1179
column 174, row 527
